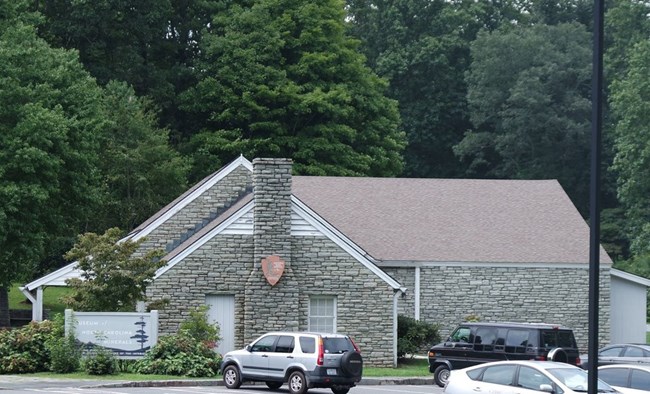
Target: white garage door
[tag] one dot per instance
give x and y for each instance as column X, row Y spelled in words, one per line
column 222, row 311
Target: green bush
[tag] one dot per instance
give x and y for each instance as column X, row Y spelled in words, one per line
column 414, row 336
column 24, row 349
column 65, row 353
column 198, row 327
column 100, row 361
column 181, row 355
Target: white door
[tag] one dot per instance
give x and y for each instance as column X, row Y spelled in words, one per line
column 222, row 312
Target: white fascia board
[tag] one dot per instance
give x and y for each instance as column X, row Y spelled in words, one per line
column 52, row 278
column 630, row 277
column 241, row 160
column 205, row 238
column 342, row 241
column 482, row 264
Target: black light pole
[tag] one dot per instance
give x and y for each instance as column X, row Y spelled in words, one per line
column 594, row 206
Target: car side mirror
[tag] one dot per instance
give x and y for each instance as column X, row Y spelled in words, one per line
column 248, row 347
column 547, row 388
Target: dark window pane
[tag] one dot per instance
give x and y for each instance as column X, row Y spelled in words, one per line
column 640, row 380
column 614, row 376
column 307, row 345
column 284, row 345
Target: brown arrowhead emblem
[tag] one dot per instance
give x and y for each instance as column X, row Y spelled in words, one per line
column 273, row 267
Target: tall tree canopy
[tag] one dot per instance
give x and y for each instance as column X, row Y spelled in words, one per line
column 281, row 78
column 150, row 44
column 50, row 119
column 141, row 172
column 631, row 104
column 529, row 102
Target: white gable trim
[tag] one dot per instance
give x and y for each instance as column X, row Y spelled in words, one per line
column 240, row 161
column 630, row 277
column 205, row 238
column 342, row 241
column 55, row 278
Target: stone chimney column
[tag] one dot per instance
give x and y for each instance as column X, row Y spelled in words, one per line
column 271, row 298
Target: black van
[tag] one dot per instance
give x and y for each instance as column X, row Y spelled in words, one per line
column 476, row 343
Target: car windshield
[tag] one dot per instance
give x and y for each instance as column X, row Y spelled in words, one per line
column 576, row 380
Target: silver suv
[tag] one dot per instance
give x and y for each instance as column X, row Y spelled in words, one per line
column 303, row 359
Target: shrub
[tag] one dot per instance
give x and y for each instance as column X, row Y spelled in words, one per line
column 180, row 354
column 414, row 336
column 100, row 362
column 198, row 327
column 24, row 350
column 65, row 354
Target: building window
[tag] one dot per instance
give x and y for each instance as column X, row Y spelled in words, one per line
column 322, row 314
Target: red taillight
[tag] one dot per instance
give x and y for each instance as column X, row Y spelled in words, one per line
column 355, row 345
column 578, row 361
column 540, row 358
column 321, row 351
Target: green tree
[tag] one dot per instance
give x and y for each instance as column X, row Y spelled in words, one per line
column 281, row 78
column 529, row 101
column 50, row 120
column 141, row 171
column 150, row 44
column 631, row 105
column 114, row 273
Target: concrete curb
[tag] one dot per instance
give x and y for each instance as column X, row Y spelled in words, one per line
column 218, row 382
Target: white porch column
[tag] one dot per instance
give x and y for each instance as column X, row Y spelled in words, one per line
column 416, row 293
column 37, row 308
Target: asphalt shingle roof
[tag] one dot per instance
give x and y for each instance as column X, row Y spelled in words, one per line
column 452, row 220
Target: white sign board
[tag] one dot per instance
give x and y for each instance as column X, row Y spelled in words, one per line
column 126, row 334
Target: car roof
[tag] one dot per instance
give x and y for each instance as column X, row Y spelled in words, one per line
column 517, row 325
column 630, row 366
column 641, row 345
column 530, row 363
column 322, row 334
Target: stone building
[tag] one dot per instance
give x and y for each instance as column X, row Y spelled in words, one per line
column 270, row 251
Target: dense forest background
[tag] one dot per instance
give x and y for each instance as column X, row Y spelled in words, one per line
column 109, row 109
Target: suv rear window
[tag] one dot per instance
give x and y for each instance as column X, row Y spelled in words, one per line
column 337, row 345
column 555, row 338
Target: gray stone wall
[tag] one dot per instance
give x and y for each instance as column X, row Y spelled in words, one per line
column 225, row 191
column 320, row 268
column 551, row 295
column 364, row 301
column 216, row 268
column 406, row 277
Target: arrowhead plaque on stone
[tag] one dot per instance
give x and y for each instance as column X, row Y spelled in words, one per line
column 273, row 267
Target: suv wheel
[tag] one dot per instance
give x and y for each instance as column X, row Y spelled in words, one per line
column 273, row 385
column 231, row 377
column 441, row 375
column 297, row 383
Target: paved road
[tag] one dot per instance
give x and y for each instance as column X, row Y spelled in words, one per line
column 17, row 384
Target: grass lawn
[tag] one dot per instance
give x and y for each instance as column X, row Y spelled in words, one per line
column 406, row 368
column 51, row 297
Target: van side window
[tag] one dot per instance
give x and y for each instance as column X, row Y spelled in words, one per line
column 516, row 341
column 461, row 334
column 485, row 338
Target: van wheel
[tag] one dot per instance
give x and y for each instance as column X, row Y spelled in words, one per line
column 441, row 375
column 231, row 377
column 297, row 383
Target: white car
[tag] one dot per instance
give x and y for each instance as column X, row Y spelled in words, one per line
column 522, row 377
column 626, row 378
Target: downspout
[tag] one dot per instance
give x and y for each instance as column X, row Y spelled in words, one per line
column 416, row 293
column 395, row 295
